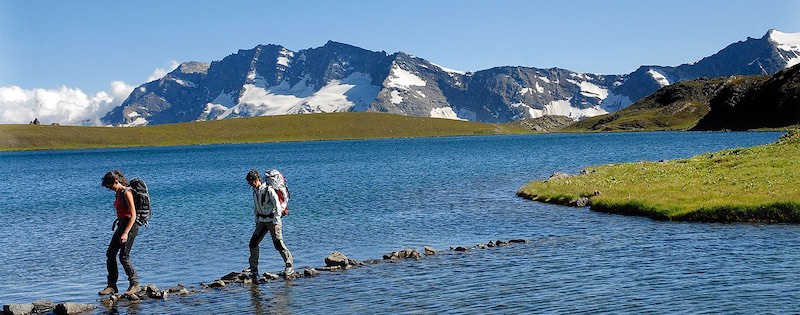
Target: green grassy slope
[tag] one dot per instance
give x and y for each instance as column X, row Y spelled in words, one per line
column 332, row 126
column 754, row 184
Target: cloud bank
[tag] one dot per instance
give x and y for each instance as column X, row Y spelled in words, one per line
column 64, row 105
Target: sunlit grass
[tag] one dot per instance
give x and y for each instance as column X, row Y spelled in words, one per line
column 747, row 184
column 334, row 126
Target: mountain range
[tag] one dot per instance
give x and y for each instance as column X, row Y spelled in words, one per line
column 337, row 77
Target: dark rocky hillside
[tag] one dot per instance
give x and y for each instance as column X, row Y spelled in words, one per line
column 773, row 104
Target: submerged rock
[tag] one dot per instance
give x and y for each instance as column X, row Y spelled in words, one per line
column 310, row 272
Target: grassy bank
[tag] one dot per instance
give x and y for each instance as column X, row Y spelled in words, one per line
column 334, row 126
column 739, row 185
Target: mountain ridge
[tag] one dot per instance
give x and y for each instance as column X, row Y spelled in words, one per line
column 273, row 80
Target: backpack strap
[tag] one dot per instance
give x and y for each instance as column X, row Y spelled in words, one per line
column 263, row 202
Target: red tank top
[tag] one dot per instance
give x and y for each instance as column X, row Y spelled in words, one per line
column 122, row 206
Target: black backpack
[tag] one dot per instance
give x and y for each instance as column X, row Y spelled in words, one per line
column 141, row 199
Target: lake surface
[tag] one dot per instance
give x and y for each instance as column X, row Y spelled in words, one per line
column 368, row 198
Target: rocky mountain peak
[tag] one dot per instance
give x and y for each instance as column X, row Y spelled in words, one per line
column 273, row 80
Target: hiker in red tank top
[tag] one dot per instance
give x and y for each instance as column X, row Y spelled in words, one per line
column 124, row 235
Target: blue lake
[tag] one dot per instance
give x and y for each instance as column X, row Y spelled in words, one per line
column 368, row 198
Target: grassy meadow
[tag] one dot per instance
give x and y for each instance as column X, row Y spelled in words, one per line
column 758, row 184
column 309, row 127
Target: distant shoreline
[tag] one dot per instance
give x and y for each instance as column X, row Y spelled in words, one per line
column 284, row 128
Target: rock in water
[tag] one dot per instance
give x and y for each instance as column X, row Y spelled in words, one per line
column 337, row 259
column 73, row 308
column 18, row 309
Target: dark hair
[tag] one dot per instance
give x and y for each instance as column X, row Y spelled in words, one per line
column 114, row 176
column 252, row 175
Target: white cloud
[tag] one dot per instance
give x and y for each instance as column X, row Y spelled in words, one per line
column 64, row 105
column 160, row 72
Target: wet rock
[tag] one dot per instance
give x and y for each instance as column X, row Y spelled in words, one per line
column 519, row 240
column 217, row 284
column 184, row 292
column 490, row 244
column 230, row 277
column 107, row 302
column 371, row 262
column 461, row 249
column 500, row 243
column 18, row 309
column 43, row 306
column 271, row 276
column 73, row 308
column 152, row 291
column 337, row 259
column 330, row 268
column 310, row 272
column 429, row 251
column 177, row 288
column 132, row 297
column 403, row 254
column 582, row 202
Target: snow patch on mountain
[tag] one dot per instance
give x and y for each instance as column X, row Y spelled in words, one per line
column 444, row 112
column 284, row 56
column 340, row 96
column 185, row 83
column 660, row 78
column 564, row 108
column 589, row 89
column 789, row 44
column 614, row 102
column 395, row 97
column 448, row 70
column 353, row 92
column 403, row 79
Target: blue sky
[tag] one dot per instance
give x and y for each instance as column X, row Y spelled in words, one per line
column 84, row 46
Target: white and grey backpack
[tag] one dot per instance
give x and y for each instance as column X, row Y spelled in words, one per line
column 276, row 179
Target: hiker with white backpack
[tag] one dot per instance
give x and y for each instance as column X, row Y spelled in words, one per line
column 269, row 205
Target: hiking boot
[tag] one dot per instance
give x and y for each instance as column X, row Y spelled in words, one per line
column 107, row 291
column 133, row 290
